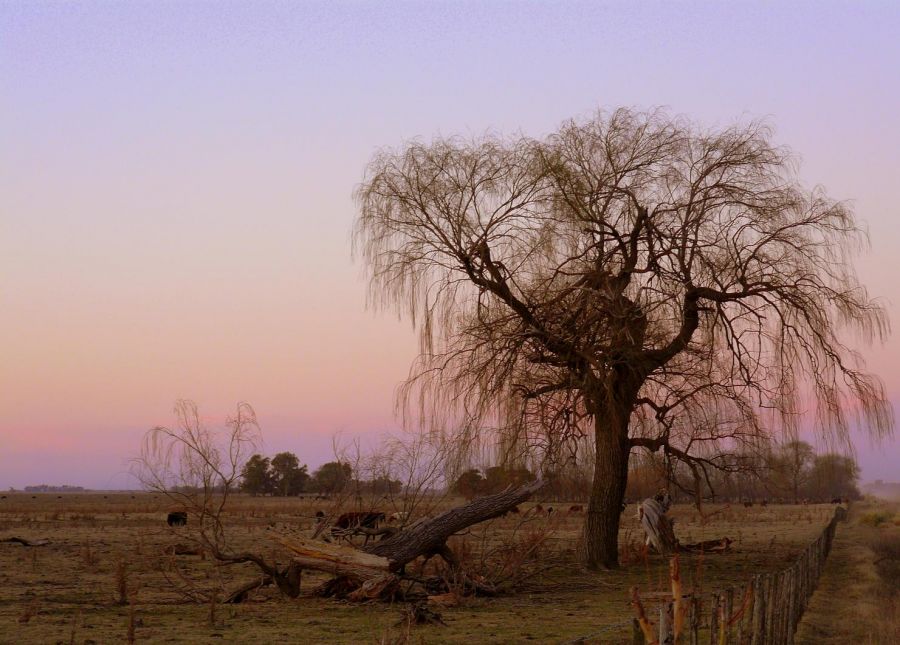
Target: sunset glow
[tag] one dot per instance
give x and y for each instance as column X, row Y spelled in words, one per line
column 176, row 188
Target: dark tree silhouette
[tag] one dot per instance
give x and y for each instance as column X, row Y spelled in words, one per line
column 256, row 478
column 332, row 477
column 632, row 278
column 288, row 476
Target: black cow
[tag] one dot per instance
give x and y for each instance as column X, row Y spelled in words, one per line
column 177, row 518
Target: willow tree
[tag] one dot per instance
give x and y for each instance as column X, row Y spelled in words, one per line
column 666, row 287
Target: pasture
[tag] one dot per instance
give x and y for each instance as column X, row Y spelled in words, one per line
column 105, row 577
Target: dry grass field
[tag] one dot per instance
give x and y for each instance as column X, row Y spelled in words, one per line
column 105, row 577
column 858, row 598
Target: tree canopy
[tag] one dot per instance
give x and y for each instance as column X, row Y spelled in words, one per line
column 633, row 280
column 282, row 475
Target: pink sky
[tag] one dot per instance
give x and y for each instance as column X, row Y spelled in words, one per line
column 175, row 187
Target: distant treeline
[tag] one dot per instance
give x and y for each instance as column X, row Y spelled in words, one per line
column 790, row 473
column 283, row 476
column 44, row 488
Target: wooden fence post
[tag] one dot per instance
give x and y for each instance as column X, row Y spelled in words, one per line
column 695, row 620
column 777, row 602
column 637, row 636
column 663, row 623
column 759, row 612
column 729, row 609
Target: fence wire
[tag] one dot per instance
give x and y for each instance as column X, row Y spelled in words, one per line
column 774, row 603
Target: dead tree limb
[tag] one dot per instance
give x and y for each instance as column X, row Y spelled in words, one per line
column 377, row 569
column 24, row 542
column 429, row 536
column 241, row 594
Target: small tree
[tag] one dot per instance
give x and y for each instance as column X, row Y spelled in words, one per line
column 199, row 469
column 470, row 484
column 496, row 478
column 288, row 476
column 834, row 475
column 256, row 478
column 332, row 477
column 790, row 466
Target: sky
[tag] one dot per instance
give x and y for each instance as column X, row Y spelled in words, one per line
column 176, row 185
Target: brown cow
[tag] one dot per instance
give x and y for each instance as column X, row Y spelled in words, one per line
column 358, row 520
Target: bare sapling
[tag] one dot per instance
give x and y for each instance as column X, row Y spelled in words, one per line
column 197, row 470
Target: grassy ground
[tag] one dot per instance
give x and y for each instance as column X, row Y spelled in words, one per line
column 858, row 598
column 69, row 591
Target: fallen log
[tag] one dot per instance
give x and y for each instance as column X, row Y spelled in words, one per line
column 182, row 549
column 708, row 546
column 660, row 531
column 358, row 575
column 24, row 542
column 429, row 536
column 241, row 594
column 377, row 569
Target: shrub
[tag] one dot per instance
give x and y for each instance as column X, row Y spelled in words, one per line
column 876, row 518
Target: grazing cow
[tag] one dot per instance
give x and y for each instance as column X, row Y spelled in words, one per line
column 177, row 518
column 836, row 500
column 747, row 503
column 549, row 511
column 765, row 502
column 577, row 508
column 358, row 520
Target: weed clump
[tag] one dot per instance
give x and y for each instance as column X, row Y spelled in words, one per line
column 876, row 518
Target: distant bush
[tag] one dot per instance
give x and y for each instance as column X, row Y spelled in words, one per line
column 876, row 518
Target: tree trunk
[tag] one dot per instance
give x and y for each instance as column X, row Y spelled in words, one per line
column 601, row 525
column 428, row 536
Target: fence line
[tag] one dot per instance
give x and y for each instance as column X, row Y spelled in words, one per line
column 765, row 611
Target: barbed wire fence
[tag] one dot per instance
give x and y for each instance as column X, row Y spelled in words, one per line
column 764, row 611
